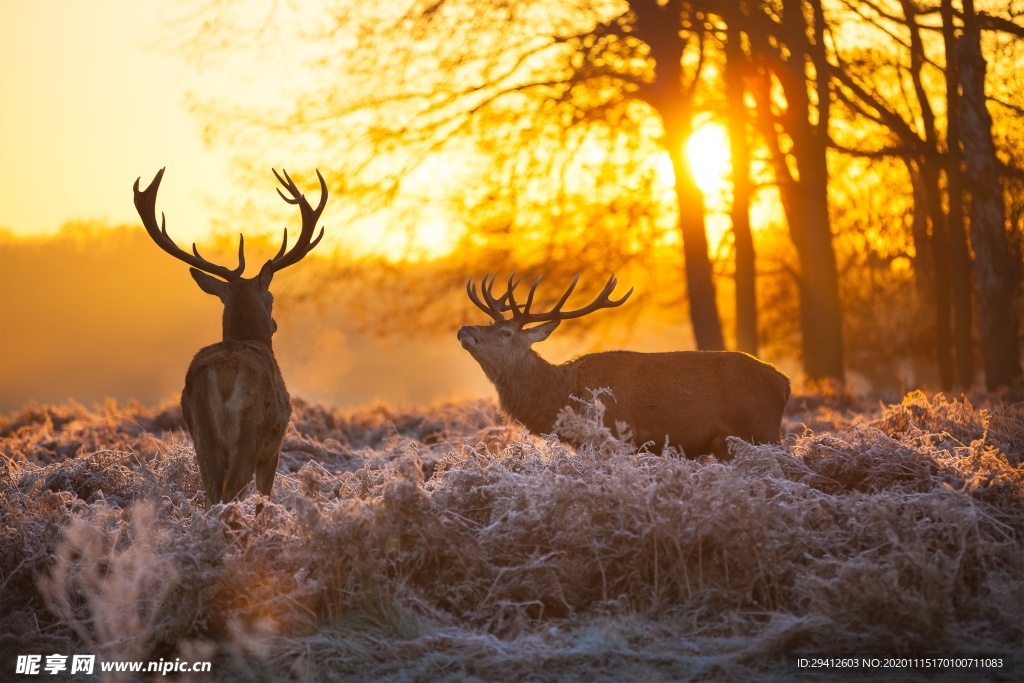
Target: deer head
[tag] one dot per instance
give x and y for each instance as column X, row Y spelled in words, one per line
column 507, row 340
column 248, row 303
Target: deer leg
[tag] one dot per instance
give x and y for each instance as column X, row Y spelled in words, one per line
column 266, row 470
column 236, row 480
column 212, row 459
column 211, row 454
column 240, row 466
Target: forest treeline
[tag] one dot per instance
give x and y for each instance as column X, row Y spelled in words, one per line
column 876, row 201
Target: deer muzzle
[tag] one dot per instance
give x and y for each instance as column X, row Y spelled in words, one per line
column 466, row 338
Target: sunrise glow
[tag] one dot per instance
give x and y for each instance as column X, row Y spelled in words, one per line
column 707, row 153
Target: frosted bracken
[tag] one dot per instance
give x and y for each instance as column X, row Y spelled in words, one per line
column 446, row 545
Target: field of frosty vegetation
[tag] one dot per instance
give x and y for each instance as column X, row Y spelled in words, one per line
column 448, row 545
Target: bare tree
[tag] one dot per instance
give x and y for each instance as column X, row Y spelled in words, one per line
column 908, row 117
column 737, row 65
column 997, row 299
column 790, row 36
column 960, row 256
column 548, row 127
column 671, row 95
column 555, row 113
column 910, row 127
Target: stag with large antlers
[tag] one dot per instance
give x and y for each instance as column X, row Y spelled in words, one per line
column 235, row 403
column 693, row 400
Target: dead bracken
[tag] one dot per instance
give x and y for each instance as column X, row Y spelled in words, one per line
column 444, row 544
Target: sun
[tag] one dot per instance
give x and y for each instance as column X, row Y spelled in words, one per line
column 709, row 157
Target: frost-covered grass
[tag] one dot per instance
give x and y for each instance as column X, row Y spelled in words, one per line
column 448, row 545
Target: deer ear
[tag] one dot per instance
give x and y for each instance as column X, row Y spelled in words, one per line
column 209, row 283
column 265, row 276
column 541, row 332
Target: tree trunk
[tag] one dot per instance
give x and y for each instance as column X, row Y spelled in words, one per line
column 746, row 288
column 707, row 328
column 795, row 206
column 992, row 268
column 925, row 275
column 929, row 167
column 960, row 257
column 818, row 265
column 939, row 243
column 811, row 225
column 659, row 27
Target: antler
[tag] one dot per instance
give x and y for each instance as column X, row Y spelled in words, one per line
column 492, row 308
column 310, row 216
column 145, row 204
column 507, row 302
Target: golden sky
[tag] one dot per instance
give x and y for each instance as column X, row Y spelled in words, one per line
column 93, row 97
column 94, row 94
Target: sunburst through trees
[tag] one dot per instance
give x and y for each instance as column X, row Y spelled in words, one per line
column 599, row 135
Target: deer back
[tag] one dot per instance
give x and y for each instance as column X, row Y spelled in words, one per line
column 694, row 399
column 236, row 407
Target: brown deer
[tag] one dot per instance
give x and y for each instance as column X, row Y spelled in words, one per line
column 692, row 399
column 235, row 403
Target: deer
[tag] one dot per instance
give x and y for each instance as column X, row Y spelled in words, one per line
column 235, row 403
column 691, row 400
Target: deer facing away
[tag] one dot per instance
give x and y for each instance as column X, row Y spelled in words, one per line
column 235, row 403
column 695, row 399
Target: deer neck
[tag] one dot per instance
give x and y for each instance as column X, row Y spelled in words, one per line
column 532, row 391
column 245, row 323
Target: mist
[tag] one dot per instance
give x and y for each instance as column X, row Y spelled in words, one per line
column 94, row 313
